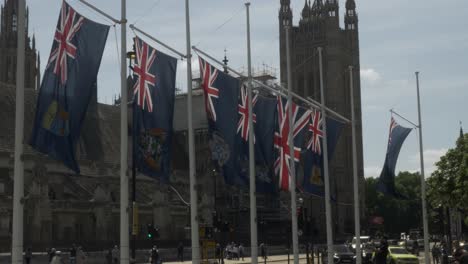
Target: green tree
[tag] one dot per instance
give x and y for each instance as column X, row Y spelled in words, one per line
column 448, row 185
column 399, row 215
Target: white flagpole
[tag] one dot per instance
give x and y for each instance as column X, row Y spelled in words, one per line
column 253, row 197
column 192, row 168
column 357, row 215
column 423, row 183
column 124, row 209
column 292, row 184
column 325, row 164
column 18, row 186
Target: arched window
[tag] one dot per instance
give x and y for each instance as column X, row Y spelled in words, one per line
column 14, row 25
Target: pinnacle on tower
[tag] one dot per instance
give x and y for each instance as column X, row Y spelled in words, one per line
column 225, row 61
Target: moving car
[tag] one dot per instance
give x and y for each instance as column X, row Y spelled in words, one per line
column 399, row 255
column 342, row 255
column 364, row 240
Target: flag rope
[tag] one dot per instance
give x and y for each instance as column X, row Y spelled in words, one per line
column 156, row 3
column 222, row 25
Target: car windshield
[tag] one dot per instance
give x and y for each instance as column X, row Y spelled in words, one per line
column 398, row 251
column 341, row 249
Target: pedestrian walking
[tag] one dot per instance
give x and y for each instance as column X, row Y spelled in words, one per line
column 219, row 253
column 241, row 252
column 57, row 259
column 263, row 250
column 115, row 255
column 51, row 254
column 416, row 248
column 73, row 254
column 180, row 252
column 155, row 255
column 28, row 255
column 80, row 256
column 435, row 253
column 109, row 256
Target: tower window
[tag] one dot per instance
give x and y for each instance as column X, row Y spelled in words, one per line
column 14, row 23
column 350, row 12
column 331, row 13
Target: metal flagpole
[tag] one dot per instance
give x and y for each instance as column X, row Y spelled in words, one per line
column 325, row 164
column 253, row 197
column 193, row 180
column 357, row 215
column 124, row 231
column 292, row 179
column 423, row 183
column 18, row 188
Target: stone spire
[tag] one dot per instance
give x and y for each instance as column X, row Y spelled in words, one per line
column 225, row 61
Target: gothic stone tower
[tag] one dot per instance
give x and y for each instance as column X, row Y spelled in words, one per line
column 319, row 26
column 8, row 44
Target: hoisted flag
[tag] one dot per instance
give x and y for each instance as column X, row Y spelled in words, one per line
column 265, row 120
column 300, row 120
column 68, row 85
column 397, row 136
column 221, row 92
column 313, row 181
column 153, row 110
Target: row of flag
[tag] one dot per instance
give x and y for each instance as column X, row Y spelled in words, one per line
column 70, row 78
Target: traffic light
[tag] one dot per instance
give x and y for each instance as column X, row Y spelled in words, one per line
column 152, row 232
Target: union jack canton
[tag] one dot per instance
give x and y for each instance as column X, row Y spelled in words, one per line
column 281, row 141
column 69, row 24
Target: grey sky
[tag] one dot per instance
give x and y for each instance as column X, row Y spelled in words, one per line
column 397, row 38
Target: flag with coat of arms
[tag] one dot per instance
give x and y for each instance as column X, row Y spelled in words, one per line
column 221, row 93
column 67, row 86
column 313, row 179
column 153, row 110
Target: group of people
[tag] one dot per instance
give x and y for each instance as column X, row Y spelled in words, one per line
column 232, row 251
column 440, row 253
column 76, row 256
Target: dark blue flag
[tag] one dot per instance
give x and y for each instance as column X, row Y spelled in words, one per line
column 300, row 117
column 265, row 120
column 153, row 110
column 221, row 93
column 313, row 181
column 68, row 85
column 397, row 136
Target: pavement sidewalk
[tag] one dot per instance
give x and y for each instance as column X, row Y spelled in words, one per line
column 280, row 259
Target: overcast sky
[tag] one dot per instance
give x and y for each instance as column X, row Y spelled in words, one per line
column 397, row 38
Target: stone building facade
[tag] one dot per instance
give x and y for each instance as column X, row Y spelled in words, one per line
column 319, row 26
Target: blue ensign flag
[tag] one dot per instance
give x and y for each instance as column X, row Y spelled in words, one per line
column 397, row 136
column 313, row 181
column 67, row 85
column 300, row 117
column 153, row 110
column 265, row 121
column 221, row 92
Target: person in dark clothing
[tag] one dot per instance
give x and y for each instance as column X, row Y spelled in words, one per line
column 263, row 250
column 154, row 255
column 109, row 256
column 461, row 256
column 382, row 252
column 51, row 254
column 435, row 253
column 180, row 252
column 416, row 248
column 28, row 255
column 73, row 254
